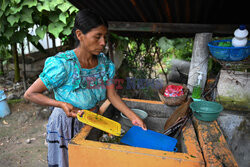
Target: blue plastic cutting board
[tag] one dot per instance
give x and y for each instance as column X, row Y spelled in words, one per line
column 138, row 137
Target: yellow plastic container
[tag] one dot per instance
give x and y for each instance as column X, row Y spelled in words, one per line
column 100, row 122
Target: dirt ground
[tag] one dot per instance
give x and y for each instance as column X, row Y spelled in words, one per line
column 22, row 137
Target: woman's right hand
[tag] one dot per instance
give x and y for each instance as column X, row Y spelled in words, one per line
column 69, row 109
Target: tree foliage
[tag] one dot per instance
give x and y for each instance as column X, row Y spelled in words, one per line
column 17, row 17
column 50, row 16
column 144, row 56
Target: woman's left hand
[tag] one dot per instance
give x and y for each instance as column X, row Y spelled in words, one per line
column 137, row 121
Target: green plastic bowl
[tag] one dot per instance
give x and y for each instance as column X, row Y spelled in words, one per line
column 206, row 110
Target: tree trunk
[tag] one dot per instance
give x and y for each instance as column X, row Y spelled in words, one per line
column 24, row 68
column 111, row 55
column 47, row 40
column 53, row 43
column 1, row 68
column 28, row 44
column 159, row 59
column 16, row 62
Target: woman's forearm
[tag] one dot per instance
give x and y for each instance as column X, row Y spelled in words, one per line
column 35, row 94
column 117, row 102
column 41, row 99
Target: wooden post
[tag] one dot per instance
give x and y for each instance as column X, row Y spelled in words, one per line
column 199, row 61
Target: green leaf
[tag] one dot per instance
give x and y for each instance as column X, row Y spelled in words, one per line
column 2, row 25
column 52, row 6
column 17, row 1
column 54, row 3
column 72, row 9
column 56, row 28
column 34, row 39
column 19, row 36
column 40, row 31
column 72, row 22
column 63, row 17
column 8, row 33
column 1, row 29
column 29, row 3
column 27, row 15
column 54, row 18
column 12, row 19
column 15, row 9
column 4, row 4
column 43, row 6
column 67, row 31
column 7, row 12
column 1, row 13
column 64, row 7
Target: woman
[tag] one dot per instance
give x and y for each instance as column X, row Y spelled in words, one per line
column 79, row 78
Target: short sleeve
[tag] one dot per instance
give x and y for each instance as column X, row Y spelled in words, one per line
column 54, row 73
column 111, row 73
column 111, row 70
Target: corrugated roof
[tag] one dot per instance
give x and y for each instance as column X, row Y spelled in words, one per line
column 185, row 17
column 170, row 11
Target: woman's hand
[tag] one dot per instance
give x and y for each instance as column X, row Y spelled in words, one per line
column 69, row 109
column 116, row 100
column 137, row 121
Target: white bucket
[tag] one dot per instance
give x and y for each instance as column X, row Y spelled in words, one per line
column 127, row 123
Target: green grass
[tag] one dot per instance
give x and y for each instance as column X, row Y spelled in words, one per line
column 14, row 101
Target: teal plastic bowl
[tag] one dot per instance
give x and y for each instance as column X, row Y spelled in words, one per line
column 206, row 110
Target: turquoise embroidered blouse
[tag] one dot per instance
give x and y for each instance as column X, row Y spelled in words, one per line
column 82, row 88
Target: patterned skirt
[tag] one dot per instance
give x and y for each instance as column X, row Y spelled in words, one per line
column 60, row 130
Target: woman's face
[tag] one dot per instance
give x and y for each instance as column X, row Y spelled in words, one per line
column 94, row 41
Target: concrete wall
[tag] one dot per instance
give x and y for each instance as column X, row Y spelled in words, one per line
column 236, row 129
column 234, row 90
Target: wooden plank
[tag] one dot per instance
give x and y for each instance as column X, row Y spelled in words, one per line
column 173, row 27
column 190, row 143
column 180, row 112
column 143, row 101
column 213, row 144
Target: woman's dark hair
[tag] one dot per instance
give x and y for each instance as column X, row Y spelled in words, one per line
column 86, row 20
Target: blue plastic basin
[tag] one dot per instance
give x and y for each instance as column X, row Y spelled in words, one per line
column 4, row 107
column 227, row 53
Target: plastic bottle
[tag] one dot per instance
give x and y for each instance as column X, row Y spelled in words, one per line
column 197, row 90
column 240, row 36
